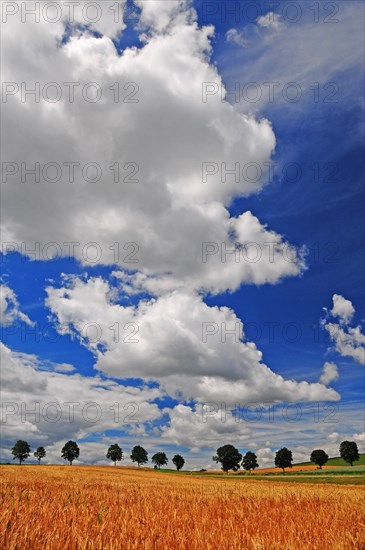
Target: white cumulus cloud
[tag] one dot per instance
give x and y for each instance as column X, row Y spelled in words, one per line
column 161, row 191
column 349, row 341
column 177, row 340
column 329, row 373
column 47, row 406
column 342, row 308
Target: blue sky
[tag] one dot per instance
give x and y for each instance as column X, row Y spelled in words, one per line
column 320, row 212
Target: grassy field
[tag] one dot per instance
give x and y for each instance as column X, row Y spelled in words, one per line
column 107, row 508
column 337, row 461
column 335, row 475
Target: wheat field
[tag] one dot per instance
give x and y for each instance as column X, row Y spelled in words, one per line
column 108, row 508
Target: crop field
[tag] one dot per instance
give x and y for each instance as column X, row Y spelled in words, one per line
column 82, row 507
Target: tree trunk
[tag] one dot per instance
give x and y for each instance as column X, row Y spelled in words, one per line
column 320, row 467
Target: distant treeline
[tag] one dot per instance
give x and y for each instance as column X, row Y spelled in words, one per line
column 227, row 456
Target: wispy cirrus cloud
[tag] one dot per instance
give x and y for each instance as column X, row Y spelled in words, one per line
column 10, row 311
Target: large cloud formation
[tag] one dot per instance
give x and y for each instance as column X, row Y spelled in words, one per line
column 49, row 405
column 133, row 168
column 195, row 351
column 150, row 130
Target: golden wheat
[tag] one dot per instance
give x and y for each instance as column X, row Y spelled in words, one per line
column 108, row 508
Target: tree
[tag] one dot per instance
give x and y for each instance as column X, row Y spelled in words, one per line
column 178, row 461
column 40, row 453
column 349, row 452
column 139, row 455
column 70, row 451
column 160, row 459
column 249, row 461
column 114, row 453
column 283, row 458
column 21, row 450
column 229, row 457
column 319, row 457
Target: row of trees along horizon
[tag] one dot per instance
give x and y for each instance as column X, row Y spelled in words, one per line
column 227, row 456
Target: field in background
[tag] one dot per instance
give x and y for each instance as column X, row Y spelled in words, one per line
column 338, row 461
column 115, row 508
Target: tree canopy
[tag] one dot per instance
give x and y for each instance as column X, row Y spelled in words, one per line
column 70, row 451
column 178, row 461
column 283, row 458
column 349, row 452
column 21, row 450
column 229, row 457
column 160, row 459
column 115, row 453
column 40, row 453
column 139, row 455
column 319, row 457
column 249, row 461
